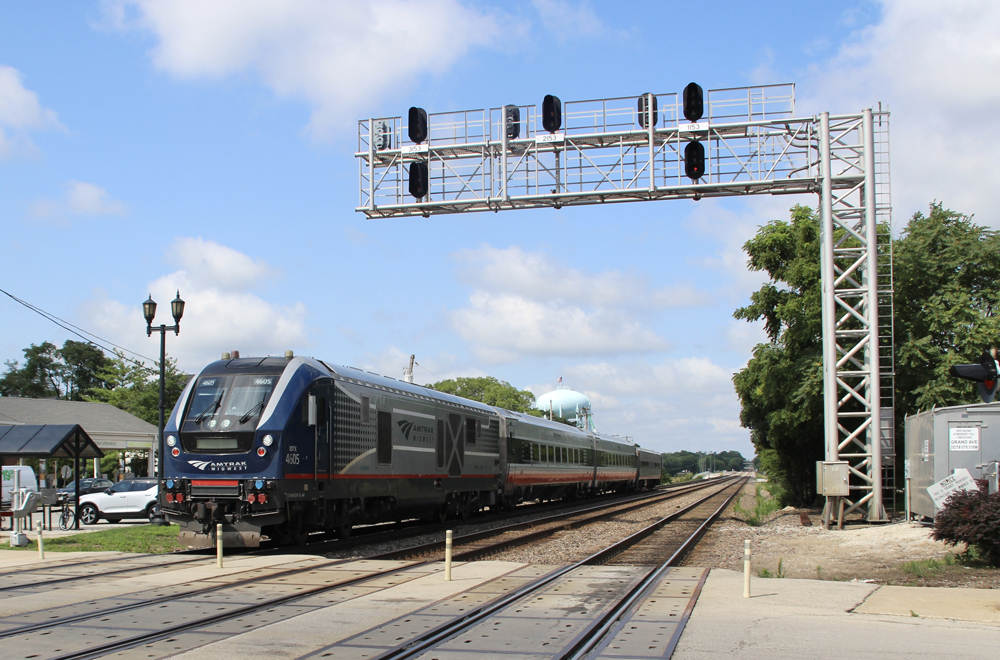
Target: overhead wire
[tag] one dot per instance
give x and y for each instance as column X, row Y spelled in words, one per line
column 69, row 327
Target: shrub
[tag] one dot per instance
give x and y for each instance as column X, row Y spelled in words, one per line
column 971, row 517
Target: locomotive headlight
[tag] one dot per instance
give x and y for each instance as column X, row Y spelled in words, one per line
column 267, row 440
column 259, row 484
column 171, row 441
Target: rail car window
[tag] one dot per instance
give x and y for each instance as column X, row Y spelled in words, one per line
column 552, row 454
column 384, row 437
column 534, row 451
column 471, row 426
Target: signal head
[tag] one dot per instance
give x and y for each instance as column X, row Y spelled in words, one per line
column 551, row 113
column 694, row 102
column 417, row 125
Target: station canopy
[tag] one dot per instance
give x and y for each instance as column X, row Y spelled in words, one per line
column 47, row 441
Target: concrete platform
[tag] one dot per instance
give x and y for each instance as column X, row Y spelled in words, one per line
column 797, row 619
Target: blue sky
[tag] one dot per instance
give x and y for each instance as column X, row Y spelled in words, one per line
column 149, row 146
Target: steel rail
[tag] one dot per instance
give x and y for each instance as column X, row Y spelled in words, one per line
column 606, row 626
column 459, row 624
column 557, row 523
column 59, row 565
column 76, row 618
column 146, row 638
column 366, row 538
column 75, row 578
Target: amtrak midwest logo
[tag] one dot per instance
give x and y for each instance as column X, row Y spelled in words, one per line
column 421, row 432
column 219, row 466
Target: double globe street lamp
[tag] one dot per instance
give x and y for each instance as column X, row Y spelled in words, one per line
column 149, row 312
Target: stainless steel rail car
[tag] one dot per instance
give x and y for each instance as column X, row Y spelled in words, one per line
column 289, row 446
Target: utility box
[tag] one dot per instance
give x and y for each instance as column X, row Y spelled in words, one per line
column 832, row 478
column 939, row 441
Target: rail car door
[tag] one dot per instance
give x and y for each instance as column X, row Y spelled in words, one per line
column 450, row 446
column 322, row 433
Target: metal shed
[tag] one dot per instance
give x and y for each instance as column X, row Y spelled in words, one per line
column 942, row 440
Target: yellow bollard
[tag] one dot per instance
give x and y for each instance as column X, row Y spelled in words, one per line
column 218, row 545
column 41, row 542
column 746, row 568
column 447, row 556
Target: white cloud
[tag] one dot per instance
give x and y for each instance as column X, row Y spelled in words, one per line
column 224, row 268
column 20, row 111
column 81, row 199
column 504, row 327
column 935, row 66
column 223, row 310
column 339, row 56
column 526, row 303
column 536, row 276
column 673, row 404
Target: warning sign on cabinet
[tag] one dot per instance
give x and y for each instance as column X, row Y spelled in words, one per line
column 965, row 438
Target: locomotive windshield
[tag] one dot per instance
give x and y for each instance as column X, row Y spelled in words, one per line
column 227, row 402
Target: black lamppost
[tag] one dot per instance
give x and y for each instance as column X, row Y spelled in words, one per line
column 149, row 312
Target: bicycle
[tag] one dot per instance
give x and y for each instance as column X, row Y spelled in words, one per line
column 67, row 519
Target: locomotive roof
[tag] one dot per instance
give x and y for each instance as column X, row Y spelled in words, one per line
column 378, row 381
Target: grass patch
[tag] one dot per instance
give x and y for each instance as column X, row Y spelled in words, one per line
column 765, row 504
column 780, row 573
column 141, row 538
column 929, row 567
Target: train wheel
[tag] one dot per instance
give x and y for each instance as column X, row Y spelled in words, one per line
column 344, row 531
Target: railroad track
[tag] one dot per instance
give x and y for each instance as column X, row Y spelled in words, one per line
column 375, row 534
column 187, row 615
column 580, row 640
column 482, row 544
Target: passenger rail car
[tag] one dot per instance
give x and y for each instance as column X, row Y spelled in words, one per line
column 288, row 446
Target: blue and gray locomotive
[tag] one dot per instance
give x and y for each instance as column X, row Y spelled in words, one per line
column 289, row 446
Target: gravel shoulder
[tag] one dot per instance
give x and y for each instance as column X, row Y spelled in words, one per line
column 898, row 553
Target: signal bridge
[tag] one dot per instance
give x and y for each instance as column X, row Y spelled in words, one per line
column 719, row 143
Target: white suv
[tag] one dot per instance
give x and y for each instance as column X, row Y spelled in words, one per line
column 134, row 498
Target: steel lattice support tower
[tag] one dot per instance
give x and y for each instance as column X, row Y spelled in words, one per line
column 754, row 144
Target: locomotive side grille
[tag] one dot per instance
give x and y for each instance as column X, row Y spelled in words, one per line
column 490, row 437
column 350, row 436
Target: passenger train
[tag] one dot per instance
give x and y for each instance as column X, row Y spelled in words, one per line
column 286, row 446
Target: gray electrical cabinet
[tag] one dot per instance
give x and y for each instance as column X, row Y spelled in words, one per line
column 832, row 478
column 942, row 440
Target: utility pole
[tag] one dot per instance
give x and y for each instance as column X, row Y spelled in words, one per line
column 408, row 372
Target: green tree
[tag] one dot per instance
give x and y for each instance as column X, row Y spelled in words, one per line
column 66, row 372
column 946, row 298
column 135, row 387
column 40, row 377
column 781, row 387
column 82, row 362
column 947, row 270
column 490, row 391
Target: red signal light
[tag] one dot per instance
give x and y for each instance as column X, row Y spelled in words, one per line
column 175, row 451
